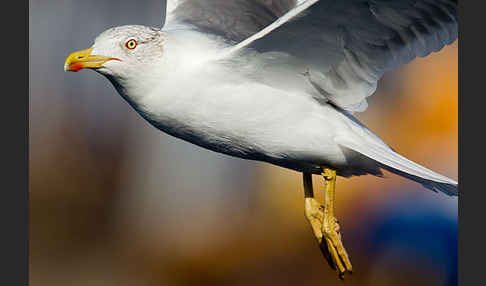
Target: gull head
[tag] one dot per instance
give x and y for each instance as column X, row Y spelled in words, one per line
column 120, row 52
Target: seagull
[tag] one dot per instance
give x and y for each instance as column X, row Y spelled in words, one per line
column 278, row 81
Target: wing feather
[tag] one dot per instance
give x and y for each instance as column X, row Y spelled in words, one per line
column 234, row 20
column 344, row 47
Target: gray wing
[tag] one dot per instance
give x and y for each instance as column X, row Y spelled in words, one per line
column 343, row 47
column 234, row 20
column 347, row 45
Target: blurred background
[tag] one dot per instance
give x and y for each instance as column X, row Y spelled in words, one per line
column 116, row 202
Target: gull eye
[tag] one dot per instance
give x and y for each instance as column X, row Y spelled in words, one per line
column 131, row 44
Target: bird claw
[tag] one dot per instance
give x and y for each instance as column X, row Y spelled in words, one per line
column 327, row 232
column 314, row 212
column 335, row 247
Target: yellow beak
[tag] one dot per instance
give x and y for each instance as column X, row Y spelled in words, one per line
column 83, row 59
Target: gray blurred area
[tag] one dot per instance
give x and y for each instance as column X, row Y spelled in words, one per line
column 116, row 202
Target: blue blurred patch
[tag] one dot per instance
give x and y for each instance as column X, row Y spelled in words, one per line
column 421, row 229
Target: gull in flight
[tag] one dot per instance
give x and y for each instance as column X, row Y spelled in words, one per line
column 277, row 81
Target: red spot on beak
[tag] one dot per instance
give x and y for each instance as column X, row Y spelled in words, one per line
column 76, row 67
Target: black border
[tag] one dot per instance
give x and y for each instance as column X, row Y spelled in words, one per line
column 472, row 209
column 14, row 206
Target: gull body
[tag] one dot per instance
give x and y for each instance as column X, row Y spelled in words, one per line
column 188, row 88
column 277, row 81
column 224, row 106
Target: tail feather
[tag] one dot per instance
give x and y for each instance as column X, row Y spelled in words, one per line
column 449, row 189
column 395, row 163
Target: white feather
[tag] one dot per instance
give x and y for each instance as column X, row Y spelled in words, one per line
column 171, row 5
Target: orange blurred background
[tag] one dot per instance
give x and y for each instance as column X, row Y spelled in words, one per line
column 116, row 202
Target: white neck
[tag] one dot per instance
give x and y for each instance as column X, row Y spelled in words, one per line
column 164, row 88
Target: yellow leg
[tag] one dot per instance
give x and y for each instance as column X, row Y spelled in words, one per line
column 324, row 224
column 330, row 226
